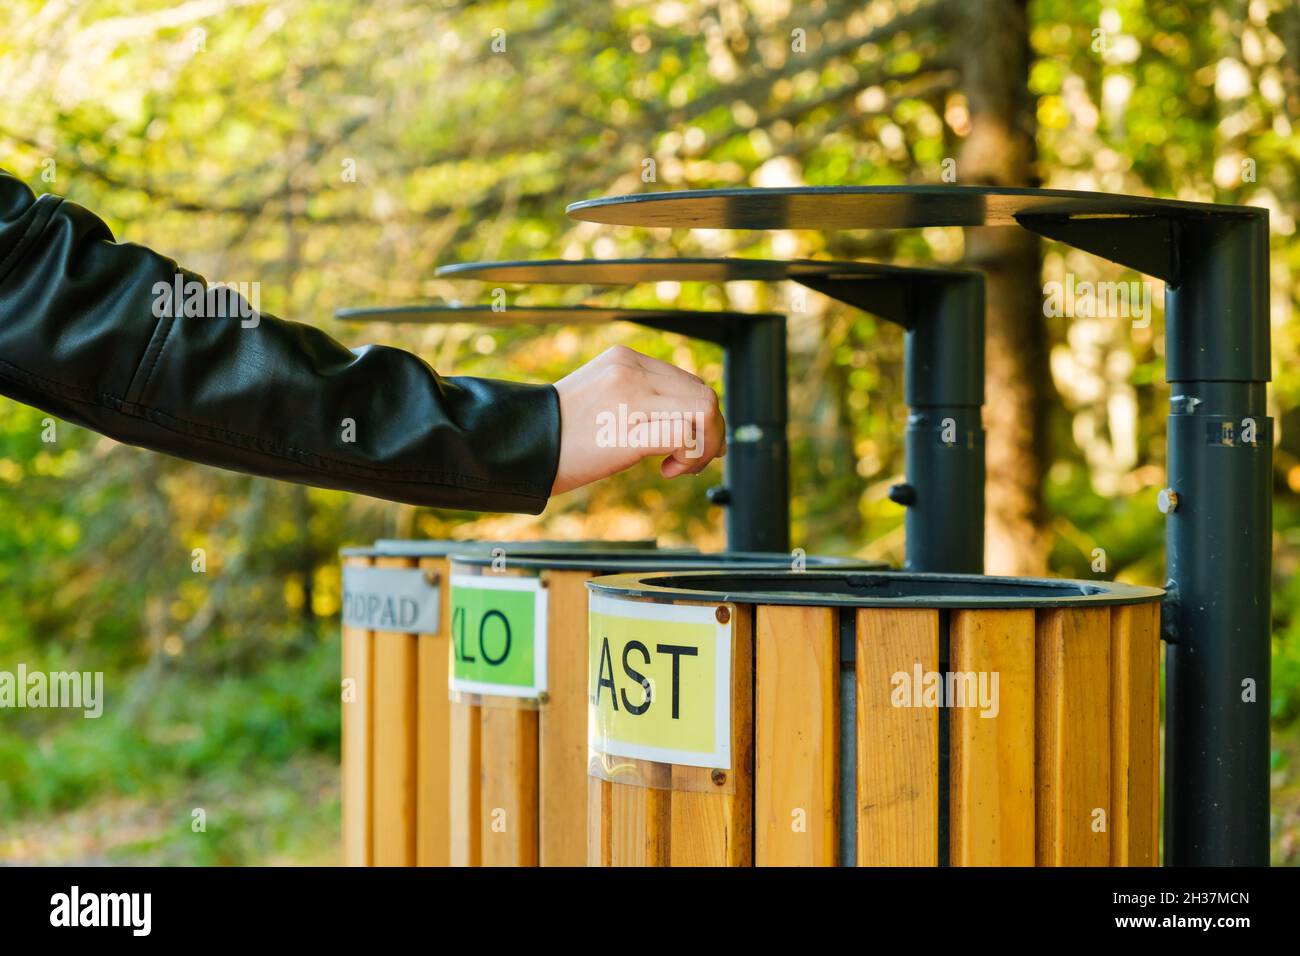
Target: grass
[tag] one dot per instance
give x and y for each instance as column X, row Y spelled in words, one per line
column 287, row 816
column 256, row 753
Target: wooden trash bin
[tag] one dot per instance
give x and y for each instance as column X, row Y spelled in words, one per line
column 831, row 718
column 395, row 716
column 518, row 779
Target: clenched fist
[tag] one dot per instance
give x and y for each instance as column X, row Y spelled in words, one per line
column 623, row 406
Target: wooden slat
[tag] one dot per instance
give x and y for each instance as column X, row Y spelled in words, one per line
column 464, row 798
column 639, row 825
column 562, row 725
column 358, row 719
column 433, row 734
column 508, row 744
column 1073, row 737
column 991, row 773
column 599, row 819
column 898, row 747
column 395, row 743
column 1135, row 734
column 697, row 822
column 796, row 737
column 707, row 828
column 716, row 829
column 1157, row 768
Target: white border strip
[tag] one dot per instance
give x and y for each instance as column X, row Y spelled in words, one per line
column 720, row 758
column 496, row 582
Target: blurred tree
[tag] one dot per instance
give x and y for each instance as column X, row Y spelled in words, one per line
column 1000, row 149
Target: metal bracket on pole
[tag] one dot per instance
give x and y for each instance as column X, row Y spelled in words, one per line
column 943, row 315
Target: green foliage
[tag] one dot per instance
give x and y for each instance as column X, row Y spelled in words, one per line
column 225, row 139
column 178, row 729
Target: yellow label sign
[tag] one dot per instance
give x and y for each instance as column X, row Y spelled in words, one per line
column 659, row 682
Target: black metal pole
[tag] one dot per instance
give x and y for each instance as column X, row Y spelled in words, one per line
column 757, row 495
column 1219, row 540
column 943, row 371
column 944, row 388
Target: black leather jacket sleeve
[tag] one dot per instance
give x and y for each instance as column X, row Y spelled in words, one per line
column 88, row 333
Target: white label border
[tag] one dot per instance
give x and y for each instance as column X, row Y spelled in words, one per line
column 492, row 582
column 720, row 758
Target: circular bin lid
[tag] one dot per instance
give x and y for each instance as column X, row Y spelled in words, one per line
column 443, row 314
column 610, row 560
column 441, row 547
column 686, row 269
column 871, row 589
column 877, row 207
column 711, row 326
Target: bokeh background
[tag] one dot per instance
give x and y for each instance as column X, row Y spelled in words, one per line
column 337, row 152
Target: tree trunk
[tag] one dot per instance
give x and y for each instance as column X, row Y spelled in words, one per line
column 1000, row 150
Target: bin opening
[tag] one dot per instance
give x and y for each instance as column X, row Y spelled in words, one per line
column 857, row 587
column 612, row 560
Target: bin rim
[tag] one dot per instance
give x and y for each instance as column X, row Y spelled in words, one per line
column 945, row 591
column 608, row 560
column 913, row 205
column 445, row 547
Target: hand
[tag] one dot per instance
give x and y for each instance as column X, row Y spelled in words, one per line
column 624, row 406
